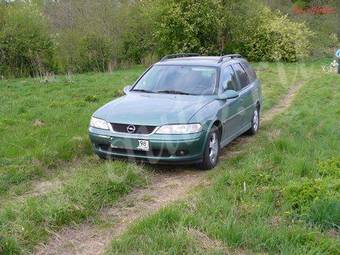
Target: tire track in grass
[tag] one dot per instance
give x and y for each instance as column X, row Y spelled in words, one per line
column 88, row 238
column 284, row 103
column 168, row 185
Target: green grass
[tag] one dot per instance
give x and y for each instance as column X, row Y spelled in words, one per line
column 25, row 223
column 45, row 124
column 281, row 195
column 43, row 129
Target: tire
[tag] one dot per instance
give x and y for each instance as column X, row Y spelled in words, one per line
column 212, row 150
column 255, row 122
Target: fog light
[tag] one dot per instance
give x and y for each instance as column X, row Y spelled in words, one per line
column 181, row 152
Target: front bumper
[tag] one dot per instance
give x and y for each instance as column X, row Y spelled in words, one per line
column 162, row 148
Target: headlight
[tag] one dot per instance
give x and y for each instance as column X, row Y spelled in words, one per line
column 179, row 129
column 98, row 123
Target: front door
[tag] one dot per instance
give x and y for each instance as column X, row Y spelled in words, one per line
column 230, row 113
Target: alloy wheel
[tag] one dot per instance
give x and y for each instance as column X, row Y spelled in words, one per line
column 213, row 147
column 256, row 120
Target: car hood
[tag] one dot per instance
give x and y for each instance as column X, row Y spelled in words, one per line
column 152, row 109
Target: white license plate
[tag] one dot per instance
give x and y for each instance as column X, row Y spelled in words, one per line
column 143, row 145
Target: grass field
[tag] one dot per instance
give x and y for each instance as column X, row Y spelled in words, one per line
column 280, row 195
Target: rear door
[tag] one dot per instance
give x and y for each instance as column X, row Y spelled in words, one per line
column 247, row 100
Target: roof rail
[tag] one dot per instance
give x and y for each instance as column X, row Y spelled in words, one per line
column 229, row 56
column 179, row 56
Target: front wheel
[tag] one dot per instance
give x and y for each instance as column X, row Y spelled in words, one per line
column 211, row 150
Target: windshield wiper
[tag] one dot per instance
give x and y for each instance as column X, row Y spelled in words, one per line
column 143, row 90
column 173, row 92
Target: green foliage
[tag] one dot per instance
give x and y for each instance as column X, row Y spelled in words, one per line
column 26, row 47
column 187, row 26
column 302, row 3
column 95, row 53
column 301, row 194
column 330, row 167
column 91, row 98
column 315, row 200
column 135, row 40
column 77, row 36
column 273, row 37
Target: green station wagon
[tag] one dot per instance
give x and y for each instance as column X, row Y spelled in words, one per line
column 183, row 109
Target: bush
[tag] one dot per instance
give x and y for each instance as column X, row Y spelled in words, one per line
column 95, row 53
column 25, row 45
column 135, row 42
column 273, row 37
column 187, row 26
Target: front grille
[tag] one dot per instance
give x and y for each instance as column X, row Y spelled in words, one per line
column 139, row 129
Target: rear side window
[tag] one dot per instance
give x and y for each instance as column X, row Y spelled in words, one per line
column 229, row 79
column 242, row 75
column 250, row 71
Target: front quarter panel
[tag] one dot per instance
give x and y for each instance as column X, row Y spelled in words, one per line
column 207, row 116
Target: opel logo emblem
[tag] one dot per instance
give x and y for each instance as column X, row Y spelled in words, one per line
column 131, row 129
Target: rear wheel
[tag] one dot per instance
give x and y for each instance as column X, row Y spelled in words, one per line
column 255, row 122
column 211, row 150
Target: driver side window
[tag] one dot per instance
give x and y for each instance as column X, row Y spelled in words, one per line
column 229, row 79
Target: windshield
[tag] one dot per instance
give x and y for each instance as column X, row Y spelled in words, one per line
column 191, row 80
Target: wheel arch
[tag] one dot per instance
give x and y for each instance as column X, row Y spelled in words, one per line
column 215, row 122
column 258, row 105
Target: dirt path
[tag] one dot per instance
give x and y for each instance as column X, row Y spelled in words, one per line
column 284, row 103
column 166, row 187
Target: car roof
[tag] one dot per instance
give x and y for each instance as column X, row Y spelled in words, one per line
column 198, row 60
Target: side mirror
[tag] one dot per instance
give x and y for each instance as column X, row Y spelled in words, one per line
column 127, row 89
column 228, row 94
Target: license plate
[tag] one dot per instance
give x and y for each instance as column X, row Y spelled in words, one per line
column 143, row 145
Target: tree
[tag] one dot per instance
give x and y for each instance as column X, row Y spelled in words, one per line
column 187, row 26
column 26, row 47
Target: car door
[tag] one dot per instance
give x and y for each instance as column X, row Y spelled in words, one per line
column 230, row 112
column 245, row 96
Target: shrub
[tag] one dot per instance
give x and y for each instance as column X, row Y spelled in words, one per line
column 187, row 26
column 274, row 38
column 135, row 41
column 25, row 45
column 95, row 53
